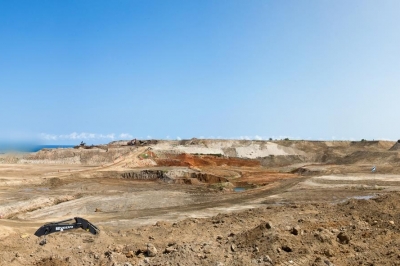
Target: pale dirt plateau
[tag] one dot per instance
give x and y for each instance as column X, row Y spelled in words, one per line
column 174, row 203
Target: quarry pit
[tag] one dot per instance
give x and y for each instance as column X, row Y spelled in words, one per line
column 209, row 200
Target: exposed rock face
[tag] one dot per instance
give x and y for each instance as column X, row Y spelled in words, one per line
column 207, row 178
column 146, row 175
column 169, row 177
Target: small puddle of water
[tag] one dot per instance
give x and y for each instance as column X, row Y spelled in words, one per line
column 243, row 187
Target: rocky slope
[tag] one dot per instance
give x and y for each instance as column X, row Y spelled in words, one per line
column 354, row 232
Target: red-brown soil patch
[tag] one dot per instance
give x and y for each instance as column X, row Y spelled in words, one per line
column 204, row 161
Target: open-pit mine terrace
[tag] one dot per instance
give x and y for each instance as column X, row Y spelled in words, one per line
column 126, row 186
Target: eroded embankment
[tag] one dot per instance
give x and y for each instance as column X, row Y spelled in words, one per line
column 18, row 206
column 146, row 175
column 198, row 160
column 95, row 156
column 172, row 176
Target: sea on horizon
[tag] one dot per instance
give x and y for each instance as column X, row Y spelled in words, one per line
column 29, row 148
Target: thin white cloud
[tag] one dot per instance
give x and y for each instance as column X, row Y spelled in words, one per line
column 78, row 136
column 178, row 138
column 48, row 136
column 125, row 136
column 386, row 139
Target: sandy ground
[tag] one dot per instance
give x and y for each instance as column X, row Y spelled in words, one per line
column 311, row 208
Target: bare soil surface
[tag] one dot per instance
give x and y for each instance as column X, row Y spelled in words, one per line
column 204, row 202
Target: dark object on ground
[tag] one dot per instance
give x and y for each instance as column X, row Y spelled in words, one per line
column 62, row 225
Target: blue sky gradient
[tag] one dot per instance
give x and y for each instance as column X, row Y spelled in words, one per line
column 104, row 70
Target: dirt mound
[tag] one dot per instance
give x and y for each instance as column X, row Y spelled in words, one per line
column 193, row 141
column 354, row 232
column 368, row 157
column 304, row 171
column 396, row 146
column 281, row 160
column 332, row 151
column 364, row 143
column 93, row 156
column 309, row 235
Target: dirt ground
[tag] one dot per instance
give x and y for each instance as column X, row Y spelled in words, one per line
column 205, row 202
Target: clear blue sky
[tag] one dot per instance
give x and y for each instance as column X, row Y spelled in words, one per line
column 93, row 70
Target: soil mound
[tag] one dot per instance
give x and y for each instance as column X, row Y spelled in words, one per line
column 396, row 146
column 367, row 157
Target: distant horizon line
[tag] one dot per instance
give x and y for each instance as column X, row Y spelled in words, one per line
column 222, row 139
column 37, row 147
column 35, row 142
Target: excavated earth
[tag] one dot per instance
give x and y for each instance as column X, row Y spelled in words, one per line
column 204, row 202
